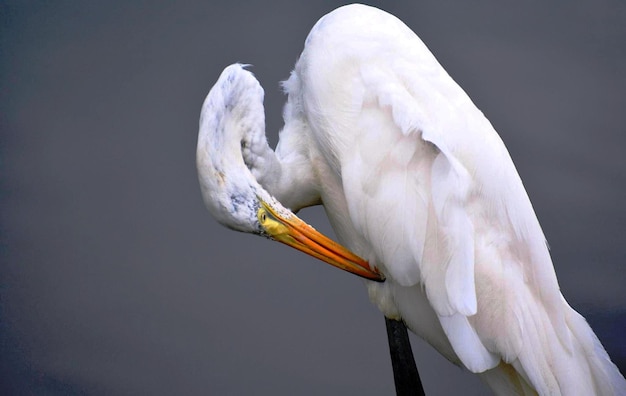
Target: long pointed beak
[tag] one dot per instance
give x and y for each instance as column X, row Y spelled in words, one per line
column 294, row 232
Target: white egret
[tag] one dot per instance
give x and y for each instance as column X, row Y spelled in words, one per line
column 416, row 181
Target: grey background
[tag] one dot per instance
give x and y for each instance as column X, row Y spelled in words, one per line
column 115, row 280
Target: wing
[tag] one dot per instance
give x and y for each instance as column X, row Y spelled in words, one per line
column 432, row 189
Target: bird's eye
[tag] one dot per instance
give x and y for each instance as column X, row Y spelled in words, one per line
column 262, row 215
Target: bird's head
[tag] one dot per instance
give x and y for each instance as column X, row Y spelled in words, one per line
column 233, row 154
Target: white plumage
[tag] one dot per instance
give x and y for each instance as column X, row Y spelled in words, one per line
column 416, row 181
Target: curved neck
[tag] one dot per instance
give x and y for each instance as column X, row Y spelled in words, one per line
column 232, row 123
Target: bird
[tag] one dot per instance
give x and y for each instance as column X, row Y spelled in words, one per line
column 421, row 192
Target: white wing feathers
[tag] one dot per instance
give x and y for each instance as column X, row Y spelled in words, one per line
column 471, row 238
column 440, row 252
column 430, row 186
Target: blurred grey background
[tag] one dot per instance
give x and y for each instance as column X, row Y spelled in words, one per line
column 115, row 280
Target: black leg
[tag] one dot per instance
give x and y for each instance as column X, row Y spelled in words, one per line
column 405, row 374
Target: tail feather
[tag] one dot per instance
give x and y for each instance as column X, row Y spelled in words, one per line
column 547, row 366
column 580, row 367
column 607, row 380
